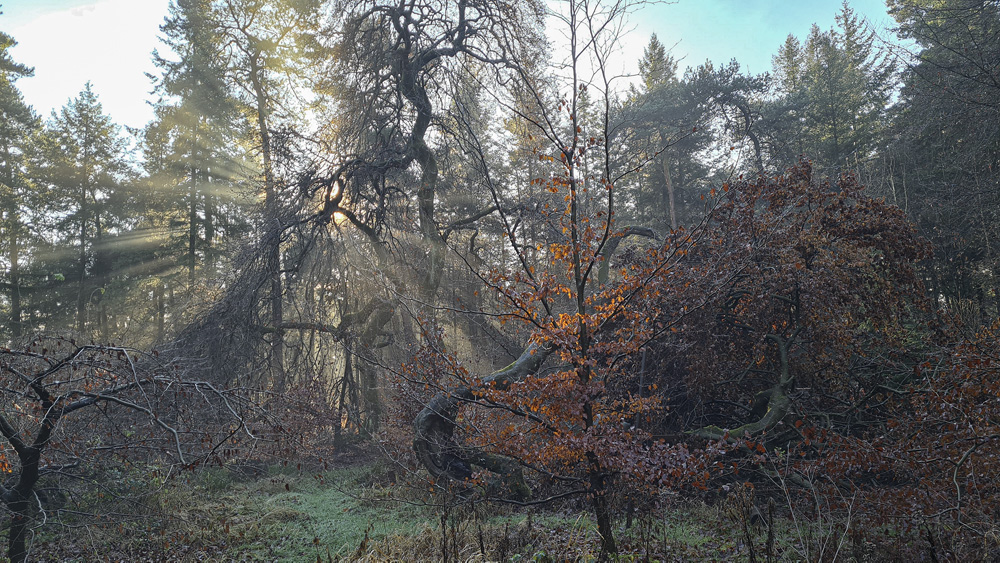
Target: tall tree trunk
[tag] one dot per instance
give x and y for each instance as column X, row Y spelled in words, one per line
column 272, row 212
column 414, row 92
column 16, row 328
column 433, row 242
column 192, row 223
column 13, row 247
column 671, row 204
column 368, row 376
column 81, row 294
column 102, row 267
column 171, row 300
column 161, row 311
column 209, row 243
column 345, row 381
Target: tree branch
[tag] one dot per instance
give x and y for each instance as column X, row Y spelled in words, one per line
column 434, row 426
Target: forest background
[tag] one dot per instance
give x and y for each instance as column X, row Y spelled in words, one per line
column 344, row 216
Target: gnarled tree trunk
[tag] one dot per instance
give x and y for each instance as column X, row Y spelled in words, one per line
column 434, row 427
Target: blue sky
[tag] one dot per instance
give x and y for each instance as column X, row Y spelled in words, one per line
column 109, row 41
column 748, row 30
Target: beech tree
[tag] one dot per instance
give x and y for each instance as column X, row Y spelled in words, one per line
column 377, row 179
column 569, row 422
column 941, row 444
column 770, row 303
column 829, row 278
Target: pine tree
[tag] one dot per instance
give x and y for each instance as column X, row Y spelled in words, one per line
column 82, row 163
column 656, row 67
column 199, row 135
column 18, row 124
column 663, row 114
column 788, row 65
column 834, row 88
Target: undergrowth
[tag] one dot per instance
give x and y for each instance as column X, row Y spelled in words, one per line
column 357, row 513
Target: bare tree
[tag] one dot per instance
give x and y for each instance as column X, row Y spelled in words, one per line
column 65, row 405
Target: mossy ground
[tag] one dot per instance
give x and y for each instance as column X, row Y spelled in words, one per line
column 355, row 513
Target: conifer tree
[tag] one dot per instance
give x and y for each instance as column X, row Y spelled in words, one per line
column 82, row 164
column 18, row 124
column 198, row 123
column 670, row 121
column 834, row 89
column 946, row 146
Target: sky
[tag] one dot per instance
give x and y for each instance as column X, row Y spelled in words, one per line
column 751, row 31
column 68, row 42
column 109, row 42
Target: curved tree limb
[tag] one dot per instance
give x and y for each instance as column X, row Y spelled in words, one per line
column 778, row 403
column 612, row 245
column 434, row 426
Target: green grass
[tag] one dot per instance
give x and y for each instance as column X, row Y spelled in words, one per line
column 292, row 515
column 295, row 516
column 308, row 518
column 353, row 513
column 213, row 515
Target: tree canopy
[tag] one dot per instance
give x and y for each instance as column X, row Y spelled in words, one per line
column 430, row 227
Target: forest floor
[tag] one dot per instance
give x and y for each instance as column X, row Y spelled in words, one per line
column 353, row 511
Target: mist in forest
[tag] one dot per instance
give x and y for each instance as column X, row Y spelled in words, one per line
column 442, row 263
